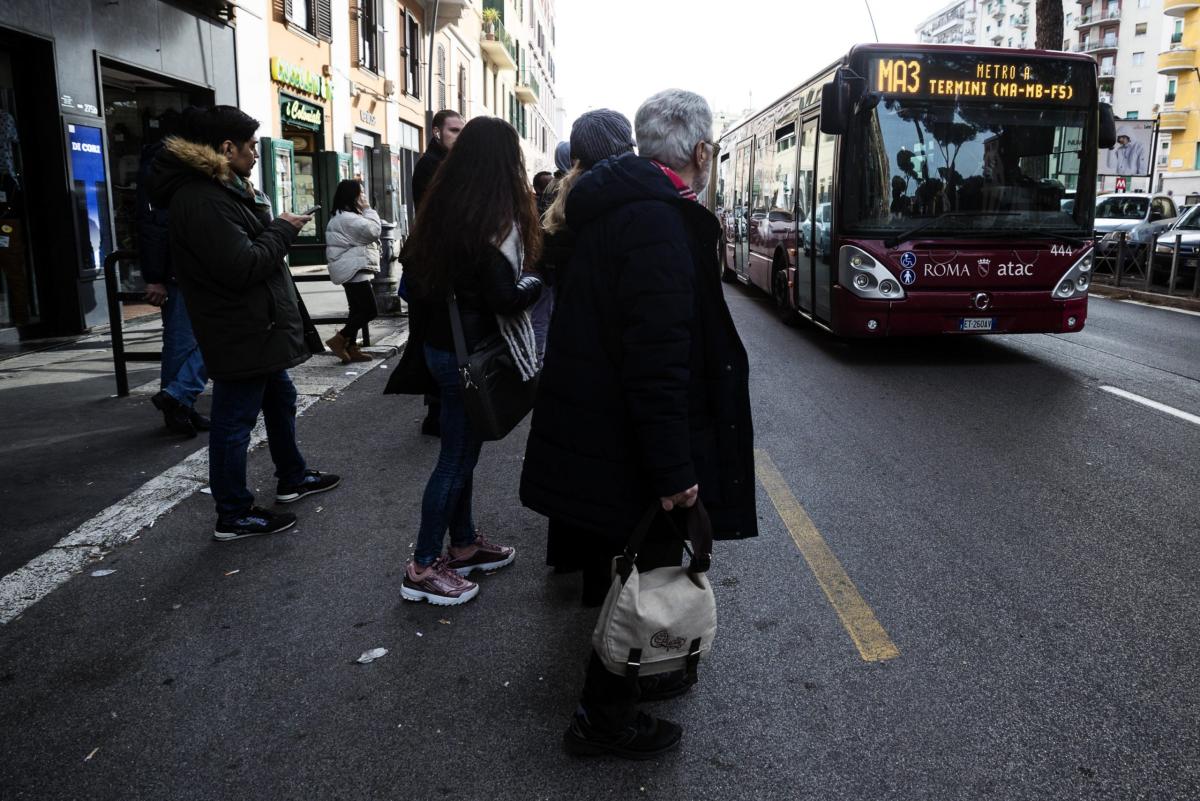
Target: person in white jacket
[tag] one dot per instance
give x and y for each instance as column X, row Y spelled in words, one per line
column 352, row 251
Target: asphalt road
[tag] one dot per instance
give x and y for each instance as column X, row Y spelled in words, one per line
column 1024, row 538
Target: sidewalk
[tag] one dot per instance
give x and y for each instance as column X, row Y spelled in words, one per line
column 71, row 448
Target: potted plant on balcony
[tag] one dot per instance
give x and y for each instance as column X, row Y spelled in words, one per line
column 490, row 17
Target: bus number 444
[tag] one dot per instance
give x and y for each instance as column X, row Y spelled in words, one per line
column 1061, row 250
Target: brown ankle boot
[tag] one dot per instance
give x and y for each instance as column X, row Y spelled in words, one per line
column 337, row 344
column 357, row 355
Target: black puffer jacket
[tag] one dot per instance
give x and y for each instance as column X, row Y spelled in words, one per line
column 228, row 256
column 153, row 225
column 645, row 389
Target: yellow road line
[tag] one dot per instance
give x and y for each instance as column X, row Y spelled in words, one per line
column 860, row 622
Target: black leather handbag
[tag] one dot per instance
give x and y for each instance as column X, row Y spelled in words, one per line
column 496, row 398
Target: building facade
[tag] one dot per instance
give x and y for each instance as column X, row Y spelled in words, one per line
column 86, row 86
column 1180, row 118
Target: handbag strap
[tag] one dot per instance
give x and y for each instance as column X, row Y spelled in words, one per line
column 698, row 532
column 456, row 329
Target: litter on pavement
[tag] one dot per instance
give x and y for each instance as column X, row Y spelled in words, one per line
column 101, row 573
column 371, row 656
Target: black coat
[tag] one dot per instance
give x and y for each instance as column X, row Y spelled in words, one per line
column 645, row 388
column 228, row 256
column 482, row 290
column 424, row 170
column 153, row 225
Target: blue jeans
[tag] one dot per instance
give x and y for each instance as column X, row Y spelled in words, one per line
column 183, row 374
column 235, row 408
column 447, row 500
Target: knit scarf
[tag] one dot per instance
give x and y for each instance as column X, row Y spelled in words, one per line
column 517, row 329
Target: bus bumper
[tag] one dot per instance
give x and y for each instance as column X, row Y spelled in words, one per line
column 930, row 313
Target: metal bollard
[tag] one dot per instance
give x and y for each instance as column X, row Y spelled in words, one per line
column 1120, row 259
column 1174, row 264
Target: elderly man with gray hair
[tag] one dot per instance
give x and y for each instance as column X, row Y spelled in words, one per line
column 644, row 398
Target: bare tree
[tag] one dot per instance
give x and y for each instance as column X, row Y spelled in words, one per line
column 1050, row 24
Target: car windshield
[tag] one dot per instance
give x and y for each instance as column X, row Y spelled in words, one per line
column 1190, row 221
column 1122, row 208
column 987, row 166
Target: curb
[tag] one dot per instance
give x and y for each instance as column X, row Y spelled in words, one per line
column 1152, row 298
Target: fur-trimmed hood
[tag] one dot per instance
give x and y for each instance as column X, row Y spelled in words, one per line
column 181, row 161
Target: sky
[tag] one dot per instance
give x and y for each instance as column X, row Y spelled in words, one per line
column 739, row 54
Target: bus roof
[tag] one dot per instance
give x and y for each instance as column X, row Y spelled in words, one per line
column 907, row 47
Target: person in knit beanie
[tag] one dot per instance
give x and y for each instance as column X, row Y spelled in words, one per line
column 598, row 135
column 562, row 159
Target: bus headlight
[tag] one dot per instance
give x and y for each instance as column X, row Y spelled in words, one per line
column 1076, row 280
column 864, row 276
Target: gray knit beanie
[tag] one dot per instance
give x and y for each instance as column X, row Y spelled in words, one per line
column 599, row 134
column 562, row 156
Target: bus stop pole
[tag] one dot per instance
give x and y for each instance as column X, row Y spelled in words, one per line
column 1120, row 258
column 1174, row 264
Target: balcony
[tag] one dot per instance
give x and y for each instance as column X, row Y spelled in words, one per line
column 998, row 40
column 1107, row 72
column 1100, row 46
column 998, row 12
column 1173, row 120
column 1021, row 22
column 527, row 88
column 969, row 37
column 1177, row 38
column 1175, row 61
column 1179, row 8
column 498, row 46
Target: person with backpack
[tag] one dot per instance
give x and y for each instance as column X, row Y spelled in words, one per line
column 352, row 251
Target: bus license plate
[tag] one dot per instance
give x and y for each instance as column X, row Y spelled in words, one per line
column 976, row 324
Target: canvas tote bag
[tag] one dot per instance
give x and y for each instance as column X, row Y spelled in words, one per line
column 666, row 618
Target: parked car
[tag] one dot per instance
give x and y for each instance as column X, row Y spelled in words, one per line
column 1141, row 217
column 1187, row 228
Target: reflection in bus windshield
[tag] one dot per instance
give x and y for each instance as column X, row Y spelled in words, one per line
column 1122, row 208
column 1012, row 165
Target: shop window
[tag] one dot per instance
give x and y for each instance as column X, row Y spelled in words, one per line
column 412, row 56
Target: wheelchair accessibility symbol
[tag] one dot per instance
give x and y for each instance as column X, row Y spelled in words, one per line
column 908, row 259
column 908, row 276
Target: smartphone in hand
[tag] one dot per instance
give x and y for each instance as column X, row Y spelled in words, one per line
column 310, row 211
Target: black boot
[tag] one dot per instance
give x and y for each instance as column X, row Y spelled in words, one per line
column 176, row 416
column 432, row 424
column 644, row 738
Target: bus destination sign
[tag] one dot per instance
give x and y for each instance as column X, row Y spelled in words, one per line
column 939, row 77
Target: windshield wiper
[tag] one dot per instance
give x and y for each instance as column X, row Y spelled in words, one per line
column 1077, row 241
column 896, row 239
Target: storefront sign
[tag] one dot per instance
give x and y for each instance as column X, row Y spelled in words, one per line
column 366, row 117
column 300, row 114
column 300, row 79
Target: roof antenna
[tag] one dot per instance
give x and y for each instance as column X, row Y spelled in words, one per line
column 867, row 3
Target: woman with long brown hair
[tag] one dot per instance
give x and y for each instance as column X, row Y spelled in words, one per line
column 475, row 234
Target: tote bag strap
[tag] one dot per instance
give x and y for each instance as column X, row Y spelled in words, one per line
column 698, row 533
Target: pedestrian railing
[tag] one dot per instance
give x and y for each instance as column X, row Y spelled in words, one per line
column 1155, row 266
column 116, row 297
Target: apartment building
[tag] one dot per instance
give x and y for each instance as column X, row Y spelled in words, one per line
column 520, row 76
column 954, row 24
column 1179, row 122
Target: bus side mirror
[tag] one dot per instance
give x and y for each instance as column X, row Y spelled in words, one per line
column 1108, row 127
column 835, row 105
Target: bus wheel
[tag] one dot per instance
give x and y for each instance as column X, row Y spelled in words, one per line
column 779, row 292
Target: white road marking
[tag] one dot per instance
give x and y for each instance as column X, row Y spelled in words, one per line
column 1163, row 308
column 758, row 256
column 124, row 520
column 1153, row 404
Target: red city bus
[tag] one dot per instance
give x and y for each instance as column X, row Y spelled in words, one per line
column 919, row 189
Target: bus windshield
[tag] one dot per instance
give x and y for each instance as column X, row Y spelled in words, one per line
column 980, row 166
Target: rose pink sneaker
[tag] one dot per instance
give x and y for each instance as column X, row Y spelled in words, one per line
column 480, row 555
column 437, row 584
